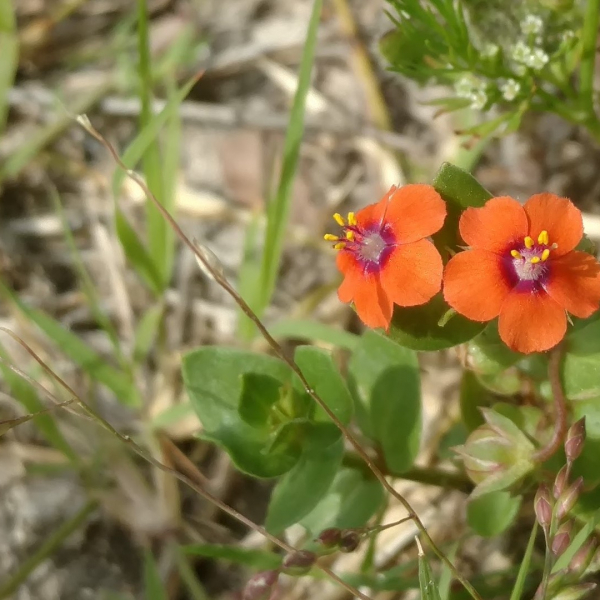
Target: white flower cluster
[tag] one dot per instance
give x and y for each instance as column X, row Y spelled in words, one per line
column 510, row 89
column 472, row 89
column 524, row 55
column 532, row 25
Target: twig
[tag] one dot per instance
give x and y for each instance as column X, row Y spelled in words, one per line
column 180, row 476
column 560, row 408
column 216, row 273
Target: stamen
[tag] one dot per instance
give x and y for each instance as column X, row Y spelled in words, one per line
column 352, row 219
column 515, row 254
column 535, row 260
column 543, row 238
column 339, row 219
column 350, row 234
column 340, row 245
column 554, row 246
column 329, row 237
column 545, row 254
column 528, row 243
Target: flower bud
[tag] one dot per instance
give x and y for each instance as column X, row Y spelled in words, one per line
column 562, row 480
column 349, row 541
column 260, row 586
column 562, row 539
column 567, row 500
column 575, row 439
column 298, row 563
column 329, row 540
column 584, row 556
column 575, row 592
column 542, row 505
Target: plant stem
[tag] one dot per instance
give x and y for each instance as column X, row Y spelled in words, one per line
column 548, row 561
column 560, row 408
column 211, row 265
column 588, row 56
column 46, row 549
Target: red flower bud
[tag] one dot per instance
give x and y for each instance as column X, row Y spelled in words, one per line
column 260, row 586
column 584, row 556
column 298, row 563
column 542, row 505
column 562, row 539
column 575, row 592
column 562, row 480
column 329, row 540
column 350, row 540
column 575, row 439
column 568, row 498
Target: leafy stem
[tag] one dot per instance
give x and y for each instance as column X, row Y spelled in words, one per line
column 210, row 264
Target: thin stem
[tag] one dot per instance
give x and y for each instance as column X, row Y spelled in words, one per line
column 560, row 408
column 588, row 56
column 180, row 476
column 205, row 258
column 548, row 560
column 46, row 549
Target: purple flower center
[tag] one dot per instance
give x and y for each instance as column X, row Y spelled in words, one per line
column 526, row 265
column 371, row 244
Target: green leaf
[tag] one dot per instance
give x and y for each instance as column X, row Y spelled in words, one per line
column 213, row 379
column 518, row 589
column 581, row 365
column 257, row 559
column 302, row 488
column 418, row 327
column 491, row 514
column 9, row 51
column 279, row 207
column 386, row 381
column 146, row 331
column 472, row 396
column 459, row 187
column 79, row 352
column 259, row 394
column 153, row 586
column 305, row 329
column 351, row 501
column 427, row 584
column 323, row 376
column 488, row 354
column 587, row 463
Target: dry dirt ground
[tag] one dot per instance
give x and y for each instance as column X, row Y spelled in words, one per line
column 234, row 121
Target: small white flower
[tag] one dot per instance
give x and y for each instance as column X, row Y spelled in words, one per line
column 538, row 59
column 510, row 89
column 478, row 99
column 521, row 52
column 464, row 87
column 490, row 50
column 532, row 25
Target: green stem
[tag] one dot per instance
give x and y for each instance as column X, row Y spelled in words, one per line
column 46, row 549
column 588, row 56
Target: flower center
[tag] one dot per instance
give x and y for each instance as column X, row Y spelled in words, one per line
column 371, row 244
column 528, row 265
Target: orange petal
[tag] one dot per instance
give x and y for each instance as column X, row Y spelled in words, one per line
column 559, row 217
column 415, row 212
column 353, row 276
column 531, row 322
column 374, row 212
column 495, row 226
column 575, row 283
column 474, row 284
column 412, row 274
column 372, row 304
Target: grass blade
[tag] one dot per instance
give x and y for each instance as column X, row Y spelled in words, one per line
column 9, row 51
column 427, row 585
column 153, row 585
column 517, row 591
column 79, row 352
column 279, row 207
column 146, row 331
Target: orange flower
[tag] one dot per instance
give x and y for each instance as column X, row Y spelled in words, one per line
column 384, row 256
column 523, row 267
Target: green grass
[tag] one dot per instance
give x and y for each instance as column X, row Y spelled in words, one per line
column 9, row 51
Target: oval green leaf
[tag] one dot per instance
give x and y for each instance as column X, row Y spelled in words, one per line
column 491, row 514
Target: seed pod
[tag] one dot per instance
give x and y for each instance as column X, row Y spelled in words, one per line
column 568, row 498
column 329, row 540
column 298, row 563
column 542, row 506
column 575, row 440
column 562, row 480
column 260, row 586
column 584, row 556
column 562, row 539
column 349, row 541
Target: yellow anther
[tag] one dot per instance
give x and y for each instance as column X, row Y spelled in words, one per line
column 340, row 245
column 339, row 219
column 352, row 219
column 350, row 235
column 545, row 254
column 528, row 243
column 535, row 260
column 330, row 237
column 543, row 238
column 515, row 254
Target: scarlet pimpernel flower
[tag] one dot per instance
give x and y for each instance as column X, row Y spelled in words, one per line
column 384, row 256
column 523, row 267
